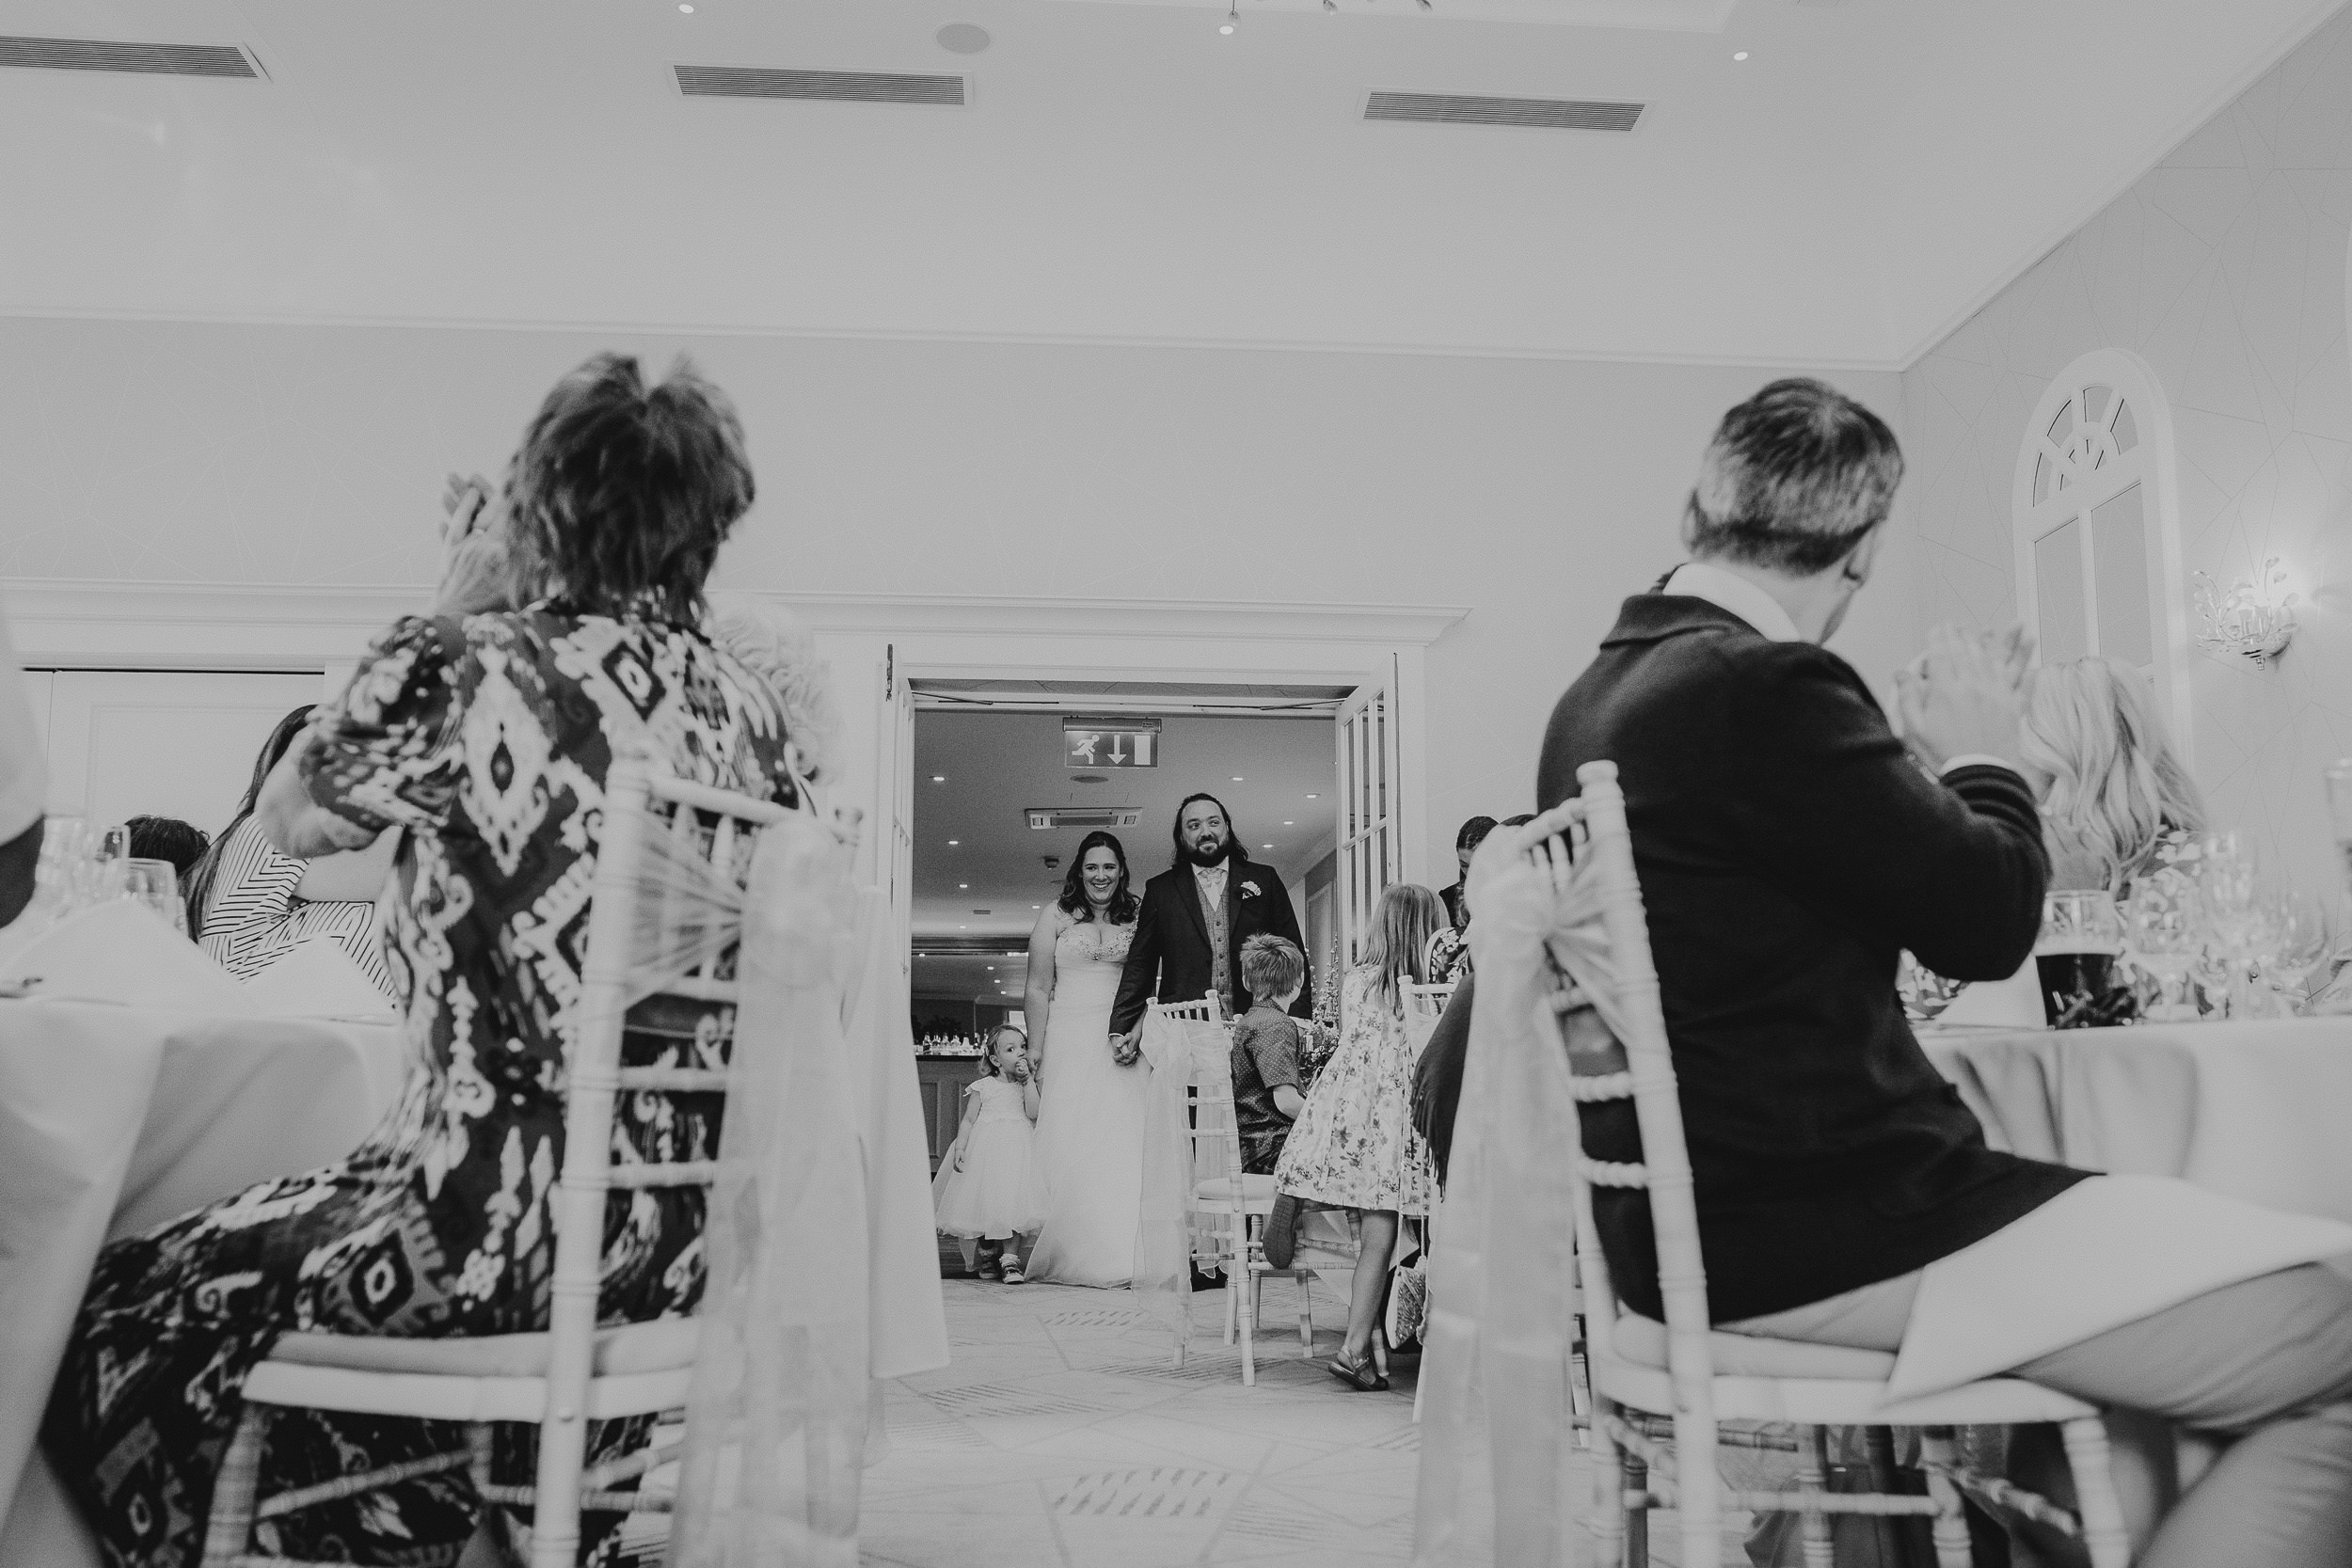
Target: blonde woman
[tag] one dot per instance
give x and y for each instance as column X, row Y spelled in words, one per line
column 1353, row 1145
column 2100, row 762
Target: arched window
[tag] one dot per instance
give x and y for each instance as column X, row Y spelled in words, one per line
column 2097, row 526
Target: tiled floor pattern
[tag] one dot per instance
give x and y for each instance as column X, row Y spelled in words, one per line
column 1062, row 1434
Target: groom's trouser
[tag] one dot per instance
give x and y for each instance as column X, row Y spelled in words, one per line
column 2268, row 1363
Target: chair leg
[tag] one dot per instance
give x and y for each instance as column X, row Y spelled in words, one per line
column 1634, row 1476
column 1609, row 1509
column 1879, row 1443
column 2103, row 1533
column 1248, row 1317
column 1951, row 1515
column 1306, row 1316
column 1812, row 1480
column 229, row 1531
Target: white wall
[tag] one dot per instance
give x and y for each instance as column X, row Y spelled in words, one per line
column 2224, row 268
column 1535, row 492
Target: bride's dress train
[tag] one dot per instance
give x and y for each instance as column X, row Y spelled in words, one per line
column 1089, row 1123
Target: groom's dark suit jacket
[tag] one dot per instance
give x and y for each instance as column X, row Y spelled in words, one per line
column 1788, row 850
column 1170, row 959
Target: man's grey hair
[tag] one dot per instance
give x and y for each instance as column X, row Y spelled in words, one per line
column 1796, row 477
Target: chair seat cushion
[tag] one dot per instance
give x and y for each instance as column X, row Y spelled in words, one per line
column 1254, row 1189
column 1643, row 1342
column 663, row 1345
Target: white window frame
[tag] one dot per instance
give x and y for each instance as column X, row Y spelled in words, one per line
column 2149, row 465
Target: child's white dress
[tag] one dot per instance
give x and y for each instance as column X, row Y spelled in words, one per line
column 1001, row 1190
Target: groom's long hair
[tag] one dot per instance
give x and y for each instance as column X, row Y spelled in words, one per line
column 1233, row 851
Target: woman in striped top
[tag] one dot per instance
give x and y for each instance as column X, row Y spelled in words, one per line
column 248, row 905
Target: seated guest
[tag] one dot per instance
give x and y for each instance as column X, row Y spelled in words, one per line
column 24, row 786
column 168, row 839
column 248, row 905
column 1466, row 844
column 1788, row 850
column 1437, row 1077
column 485, row 731
column 1265, row 1051
column 1353, row 1145
column 2097, row 753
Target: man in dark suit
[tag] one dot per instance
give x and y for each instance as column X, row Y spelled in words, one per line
column 1196, row 916
column 1788, row 846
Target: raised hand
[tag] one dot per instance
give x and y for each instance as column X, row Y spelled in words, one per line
column 1965, row 696
column 477, row 574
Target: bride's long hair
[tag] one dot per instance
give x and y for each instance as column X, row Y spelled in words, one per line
column 1124, row 905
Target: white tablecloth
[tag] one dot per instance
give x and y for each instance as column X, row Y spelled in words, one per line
column 2252, row 1110
column 113, row 1119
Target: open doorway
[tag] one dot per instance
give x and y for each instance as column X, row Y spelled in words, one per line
column 1007, row 781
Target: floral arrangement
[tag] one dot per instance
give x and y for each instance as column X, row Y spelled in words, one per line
column 1319, row 1036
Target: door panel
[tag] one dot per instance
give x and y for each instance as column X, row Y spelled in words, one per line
column 182, row 743
column 1371, row 765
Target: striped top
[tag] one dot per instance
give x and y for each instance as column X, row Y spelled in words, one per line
column 253, row 917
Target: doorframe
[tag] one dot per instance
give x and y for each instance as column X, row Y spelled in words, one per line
column 84, row 624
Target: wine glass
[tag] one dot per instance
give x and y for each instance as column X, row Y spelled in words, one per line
column 2163, row 931
column 157, row 885
column 57, row 877
column 2296, row 934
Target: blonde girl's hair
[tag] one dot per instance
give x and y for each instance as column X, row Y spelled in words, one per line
column 1401, row 929
column 2117, row 786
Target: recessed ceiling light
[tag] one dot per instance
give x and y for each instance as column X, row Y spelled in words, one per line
column 1740, row 56
column 1314, row 796
column 963, row 928
column 962, row 37
column 1238, row 779
column 1227, row 30
column 964, row 886
column 939, row 778
column 1289, row 824
column 1266, row 845
column 1037, row 906
column 953, row 841
column 687, row 10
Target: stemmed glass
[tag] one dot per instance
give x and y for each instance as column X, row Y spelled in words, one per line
column 2296, row 936
column 155, row 884
column 2164, row 925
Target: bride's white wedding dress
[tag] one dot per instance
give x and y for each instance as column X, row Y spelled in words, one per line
column 1089, row 1122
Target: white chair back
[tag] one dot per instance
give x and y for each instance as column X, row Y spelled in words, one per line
column 1422, row 1007
column 722, row 828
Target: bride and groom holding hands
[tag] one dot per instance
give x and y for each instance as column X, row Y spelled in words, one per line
column 1098, row 956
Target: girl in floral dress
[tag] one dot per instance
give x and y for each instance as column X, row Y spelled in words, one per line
column 1353, row 1145
column 486, row 732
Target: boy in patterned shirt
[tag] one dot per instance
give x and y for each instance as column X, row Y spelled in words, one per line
column 1266, row 1097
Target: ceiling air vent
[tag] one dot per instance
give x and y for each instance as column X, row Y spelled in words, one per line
column 1043, row 818
column 140, row 59
column 1543, row 113
column 824, row 87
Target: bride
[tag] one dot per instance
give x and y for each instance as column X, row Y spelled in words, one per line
column 1089, row 1128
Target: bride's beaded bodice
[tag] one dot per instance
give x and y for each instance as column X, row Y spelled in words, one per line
column 1089, row 941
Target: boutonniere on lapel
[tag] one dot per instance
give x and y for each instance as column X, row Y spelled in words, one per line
column 1250, row 890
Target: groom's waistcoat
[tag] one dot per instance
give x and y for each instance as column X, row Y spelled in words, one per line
column 1221, row 937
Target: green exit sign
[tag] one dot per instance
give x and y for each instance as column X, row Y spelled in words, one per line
column 1110, row 742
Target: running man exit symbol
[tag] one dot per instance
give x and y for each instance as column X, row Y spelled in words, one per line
column 1096, row 744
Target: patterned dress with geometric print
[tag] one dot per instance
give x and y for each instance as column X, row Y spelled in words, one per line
column 489, row 740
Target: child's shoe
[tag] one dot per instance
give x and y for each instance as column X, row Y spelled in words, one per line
column 1013, row 1271
column 989, row 1269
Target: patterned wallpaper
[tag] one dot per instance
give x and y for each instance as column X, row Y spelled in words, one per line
column 2225, row 268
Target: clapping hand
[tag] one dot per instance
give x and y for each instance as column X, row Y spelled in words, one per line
column 1965, row 695
column 477, row 575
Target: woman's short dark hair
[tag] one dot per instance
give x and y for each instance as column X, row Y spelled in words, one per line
column 1473, row 833
column 167, row 838
column 1796, row 477
column 1074, row 891
column 621, row 495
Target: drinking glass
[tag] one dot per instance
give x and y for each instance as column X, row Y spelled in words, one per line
column 2075, row 958
column 155, row 884
column 2296, row 936
column 58, row 874
column 2163, row 931
column 2338, row 778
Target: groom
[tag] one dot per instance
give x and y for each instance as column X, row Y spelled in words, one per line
column 1196, row 916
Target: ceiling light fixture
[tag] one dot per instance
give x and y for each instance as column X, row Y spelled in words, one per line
column 1238, row 779
column 962, row 37
column 1287, row 823
column 963, row 887
column 1266, row 845
column 1232, row 17
column 1741, row 55
column 953, row 841
column 1314, row 796
column 687, row 10
column 939, row 778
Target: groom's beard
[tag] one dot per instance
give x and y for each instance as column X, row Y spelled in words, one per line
column 1228, row 848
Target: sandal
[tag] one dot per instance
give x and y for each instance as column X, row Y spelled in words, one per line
column 1280, row 1239
column 1360, row 1375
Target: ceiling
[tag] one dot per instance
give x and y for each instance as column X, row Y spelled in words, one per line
column 1123, row 172
column 975, row 774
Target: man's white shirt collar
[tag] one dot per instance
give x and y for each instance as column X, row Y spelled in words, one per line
column 1728, row 591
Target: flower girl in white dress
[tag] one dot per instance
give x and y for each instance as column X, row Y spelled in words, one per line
column 990, row 1189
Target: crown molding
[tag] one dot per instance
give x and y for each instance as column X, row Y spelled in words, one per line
column 89, row 624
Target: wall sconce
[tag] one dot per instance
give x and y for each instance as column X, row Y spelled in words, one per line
column 2245, row 618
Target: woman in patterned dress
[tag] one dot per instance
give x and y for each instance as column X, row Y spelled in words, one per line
column 1353, row 1145
column 486, row 733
